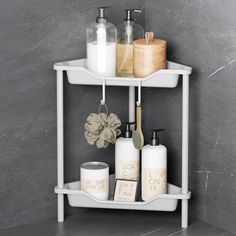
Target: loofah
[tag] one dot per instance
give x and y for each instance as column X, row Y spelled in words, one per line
column 102, row 129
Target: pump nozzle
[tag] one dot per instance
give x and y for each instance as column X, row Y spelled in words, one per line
column 101, row 13
column 127, row 131
column 128, row 13
column 154, row 140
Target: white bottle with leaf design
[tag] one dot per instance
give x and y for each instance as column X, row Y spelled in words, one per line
column 154, row 168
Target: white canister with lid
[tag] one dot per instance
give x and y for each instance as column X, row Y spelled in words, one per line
column 94, row 178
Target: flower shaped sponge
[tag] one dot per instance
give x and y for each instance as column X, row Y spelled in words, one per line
column 102, row 129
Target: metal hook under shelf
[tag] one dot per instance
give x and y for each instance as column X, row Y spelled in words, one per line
column 103, row 101
column 139, row 93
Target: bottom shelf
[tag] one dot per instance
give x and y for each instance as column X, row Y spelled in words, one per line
column 162, row 202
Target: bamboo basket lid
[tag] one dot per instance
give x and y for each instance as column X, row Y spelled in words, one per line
column 150, row 41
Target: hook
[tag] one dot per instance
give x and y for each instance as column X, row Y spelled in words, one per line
column 139, row 93
column 103, row 101
column 100, row 108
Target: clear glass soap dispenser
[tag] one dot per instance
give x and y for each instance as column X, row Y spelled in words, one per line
column 101, row 40
column 128, row 31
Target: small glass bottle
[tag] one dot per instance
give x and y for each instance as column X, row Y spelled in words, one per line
column 128, row 31
column 101, row 40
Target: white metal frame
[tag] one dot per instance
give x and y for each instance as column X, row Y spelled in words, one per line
column 185, row 138
column 60, row 146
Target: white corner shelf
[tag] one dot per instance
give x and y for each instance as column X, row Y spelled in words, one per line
column 162, row 202
column 78, row 74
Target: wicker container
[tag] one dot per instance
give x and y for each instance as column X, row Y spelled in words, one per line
column 149, row 55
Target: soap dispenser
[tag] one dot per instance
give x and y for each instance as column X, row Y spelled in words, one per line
column 127, row 160
column 101, row 40
column 128, row 31
column 154, row 168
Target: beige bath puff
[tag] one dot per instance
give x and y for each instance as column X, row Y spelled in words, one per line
column 102, row 129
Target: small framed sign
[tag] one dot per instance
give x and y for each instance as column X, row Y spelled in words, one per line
column 125, row 190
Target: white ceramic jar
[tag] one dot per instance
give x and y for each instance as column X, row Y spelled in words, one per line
column 94, row 178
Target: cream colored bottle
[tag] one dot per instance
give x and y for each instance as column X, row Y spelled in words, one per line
column 127, row 159
column 154, row 168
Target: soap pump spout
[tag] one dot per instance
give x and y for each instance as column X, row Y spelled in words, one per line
column 154, row 140
column 127, row 130
column 128, row 14
column 101, row 14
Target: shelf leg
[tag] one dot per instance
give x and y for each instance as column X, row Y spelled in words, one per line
column 185, row 133
column 60, row 146
column 131, row 104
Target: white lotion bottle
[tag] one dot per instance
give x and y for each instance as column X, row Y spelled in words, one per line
column 127, row 159
column 154, row 168
column 101, row 40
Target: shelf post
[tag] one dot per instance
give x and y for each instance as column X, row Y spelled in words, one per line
column 185, row 137
column 60, row 146
column 132, row 104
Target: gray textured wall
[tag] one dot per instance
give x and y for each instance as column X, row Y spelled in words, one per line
column 34, row 35
column 200, row 34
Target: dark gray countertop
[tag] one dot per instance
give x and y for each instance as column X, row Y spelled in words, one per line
column 118, row 223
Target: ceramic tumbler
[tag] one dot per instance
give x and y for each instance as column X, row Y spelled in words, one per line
column 94, row 177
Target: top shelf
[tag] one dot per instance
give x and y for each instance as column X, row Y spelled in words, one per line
column 166, row 78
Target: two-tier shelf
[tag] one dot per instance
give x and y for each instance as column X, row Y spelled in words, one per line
column 168, row 78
